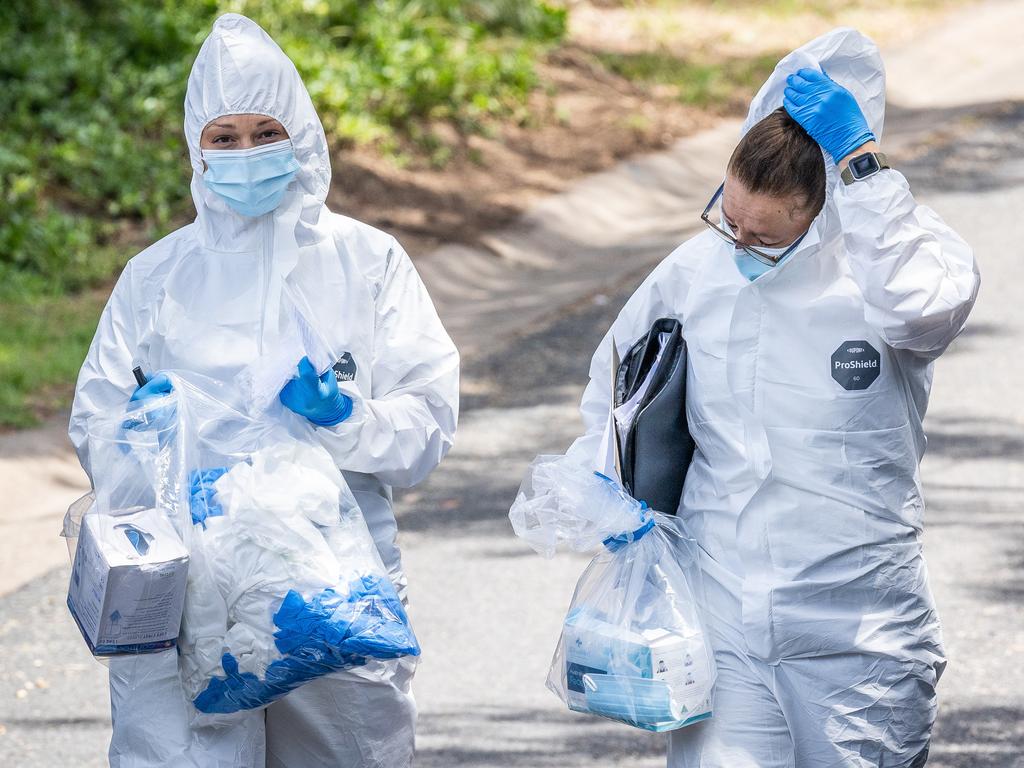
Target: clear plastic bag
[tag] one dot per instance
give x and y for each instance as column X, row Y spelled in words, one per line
column 633, row 646
column 284, row 582
column 130, row 562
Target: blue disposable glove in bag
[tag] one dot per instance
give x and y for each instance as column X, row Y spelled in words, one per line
column 284, row 581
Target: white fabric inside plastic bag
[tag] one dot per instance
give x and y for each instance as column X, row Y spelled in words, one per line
column 284, row 582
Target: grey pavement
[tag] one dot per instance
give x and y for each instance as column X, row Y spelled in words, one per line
column 488, row 610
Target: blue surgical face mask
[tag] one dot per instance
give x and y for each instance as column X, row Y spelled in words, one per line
column 636, row 700
column 750, row 266
column 251, row 181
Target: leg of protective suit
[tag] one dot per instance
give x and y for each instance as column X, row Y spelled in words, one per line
column 747, row 728
column 342, row 721
column 858, row 710
column 151, row 721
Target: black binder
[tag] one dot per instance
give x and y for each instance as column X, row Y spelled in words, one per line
column 656, row 451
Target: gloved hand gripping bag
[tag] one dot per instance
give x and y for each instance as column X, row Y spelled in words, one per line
column 284, row 583
column 633, row 646
column 129, row 558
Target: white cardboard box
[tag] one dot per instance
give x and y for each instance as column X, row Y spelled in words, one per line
column 127, row 586
column 596, row 647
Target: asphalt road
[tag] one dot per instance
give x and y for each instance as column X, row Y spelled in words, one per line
column 488, row 610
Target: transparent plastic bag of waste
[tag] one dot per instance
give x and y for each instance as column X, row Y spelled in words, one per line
column 634, row 646
column 284, row 583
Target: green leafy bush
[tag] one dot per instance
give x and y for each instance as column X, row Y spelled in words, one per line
column 91, row 92
column 91, row 95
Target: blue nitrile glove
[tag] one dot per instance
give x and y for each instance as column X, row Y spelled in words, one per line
column 201, row 494
column 158, row 385
column 827, row 111
column 316, row 397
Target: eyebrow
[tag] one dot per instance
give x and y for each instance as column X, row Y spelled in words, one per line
column 232, row 126
column 757, row 235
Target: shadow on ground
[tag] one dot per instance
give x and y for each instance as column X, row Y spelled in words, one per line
column 537, row 739
column 978, row 737
column 974, row 148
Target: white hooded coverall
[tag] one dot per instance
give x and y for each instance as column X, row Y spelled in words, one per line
column 213, row 298
column 806, row 393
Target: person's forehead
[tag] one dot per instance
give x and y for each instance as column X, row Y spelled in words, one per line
column 755, row 210
column 242, row 122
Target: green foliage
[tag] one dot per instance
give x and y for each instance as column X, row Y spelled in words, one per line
column 43, row 338
column 91, row 95
column 706, row 83
column 92, row 91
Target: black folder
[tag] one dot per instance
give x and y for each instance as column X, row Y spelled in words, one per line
column 656, row 450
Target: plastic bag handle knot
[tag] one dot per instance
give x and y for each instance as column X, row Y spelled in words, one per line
column 615, row 543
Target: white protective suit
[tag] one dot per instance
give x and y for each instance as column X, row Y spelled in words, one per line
column 219, row 297
column 806, row 394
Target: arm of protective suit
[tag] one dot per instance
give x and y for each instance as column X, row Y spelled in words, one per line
column 918, row 277
column 660, row 295
column 406, row 425
column 106, row 380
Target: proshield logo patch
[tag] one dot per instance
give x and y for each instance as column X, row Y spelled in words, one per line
column 345, row 369
column 856, row 365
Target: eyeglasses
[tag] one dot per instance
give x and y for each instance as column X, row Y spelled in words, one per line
column 728, row 237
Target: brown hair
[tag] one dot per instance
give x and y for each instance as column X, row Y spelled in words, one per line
column 777, row 157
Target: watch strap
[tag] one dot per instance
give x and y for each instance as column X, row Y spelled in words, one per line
column 847, row 174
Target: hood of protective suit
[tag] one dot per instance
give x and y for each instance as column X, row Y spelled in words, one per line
column 241, row 70
column 229, row 304
column 852, row 60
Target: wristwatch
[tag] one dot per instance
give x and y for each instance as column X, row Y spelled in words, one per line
column 864, row 165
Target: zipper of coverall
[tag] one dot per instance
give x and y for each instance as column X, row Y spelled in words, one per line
column 266, row 243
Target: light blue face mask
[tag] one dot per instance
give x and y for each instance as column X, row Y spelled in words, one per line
column 251, row 181
column 751, row 267
column 631, row 699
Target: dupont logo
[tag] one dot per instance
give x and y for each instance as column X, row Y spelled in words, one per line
column 856, row 365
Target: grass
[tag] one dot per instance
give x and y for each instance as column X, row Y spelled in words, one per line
column 43, row 340
column 708, row 84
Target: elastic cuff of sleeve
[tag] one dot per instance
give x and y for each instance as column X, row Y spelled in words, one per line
column 852, row 144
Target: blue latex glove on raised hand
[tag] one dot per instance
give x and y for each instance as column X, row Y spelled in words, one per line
column 316, row 397
column 827, row 111
column 153, row 418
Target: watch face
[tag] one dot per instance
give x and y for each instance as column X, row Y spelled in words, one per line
column 864, row 165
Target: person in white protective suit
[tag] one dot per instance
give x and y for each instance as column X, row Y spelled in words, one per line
column 813, row 307
column 263, row 265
